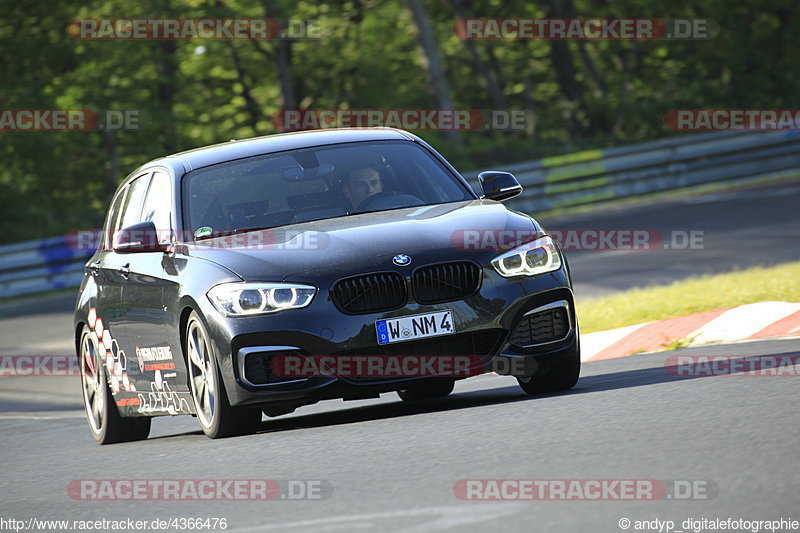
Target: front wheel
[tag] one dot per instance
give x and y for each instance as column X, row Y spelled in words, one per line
column 217, row 417
column 105, row 422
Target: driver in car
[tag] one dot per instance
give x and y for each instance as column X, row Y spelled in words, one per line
column 361, row 184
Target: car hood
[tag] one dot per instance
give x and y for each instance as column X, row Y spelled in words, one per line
column 366, row 242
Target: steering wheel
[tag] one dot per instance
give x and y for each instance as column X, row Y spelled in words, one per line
column 388, row 200
column 369, row 200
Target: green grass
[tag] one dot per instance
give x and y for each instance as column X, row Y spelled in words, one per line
column 693, row 295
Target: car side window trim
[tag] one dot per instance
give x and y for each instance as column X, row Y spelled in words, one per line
column 131, row 214
column 165, row 203
column 110, row 227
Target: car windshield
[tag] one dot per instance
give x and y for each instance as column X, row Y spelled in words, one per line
column 314, row 183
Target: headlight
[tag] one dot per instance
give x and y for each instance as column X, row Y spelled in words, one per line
column 536, row 257
column 245, row 299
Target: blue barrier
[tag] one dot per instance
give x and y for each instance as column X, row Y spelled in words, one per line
column 41, row 265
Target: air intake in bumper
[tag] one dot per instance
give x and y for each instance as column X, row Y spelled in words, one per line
column 543, row 325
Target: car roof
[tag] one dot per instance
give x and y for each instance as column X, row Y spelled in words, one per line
column 235, row 149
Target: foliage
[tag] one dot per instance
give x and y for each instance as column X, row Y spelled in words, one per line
column 197, row 92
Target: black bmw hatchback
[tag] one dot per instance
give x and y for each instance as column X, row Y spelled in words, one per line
column 261, row 275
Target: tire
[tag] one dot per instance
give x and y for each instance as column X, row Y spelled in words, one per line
column 559, row 376
column 427, row 390
column 105, row 422
column 217, row 418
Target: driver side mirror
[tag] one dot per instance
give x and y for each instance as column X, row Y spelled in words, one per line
column 141, row 237
column 498, row 185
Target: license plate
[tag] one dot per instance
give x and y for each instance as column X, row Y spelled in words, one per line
column 407, row 328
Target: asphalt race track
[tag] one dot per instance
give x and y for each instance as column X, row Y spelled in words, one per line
column 389, row 466
column 738, row 229
column 392, row 466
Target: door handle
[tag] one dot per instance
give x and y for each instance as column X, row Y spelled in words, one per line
column 125, row 270
column 95, row 268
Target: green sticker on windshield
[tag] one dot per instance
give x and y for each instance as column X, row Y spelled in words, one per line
column 205, row 231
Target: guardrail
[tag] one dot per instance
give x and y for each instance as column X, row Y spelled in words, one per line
column 578, row 179
column 42, row 265
column 594, row 176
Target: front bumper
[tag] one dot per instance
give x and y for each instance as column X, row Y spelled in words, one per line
column 320, row 329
